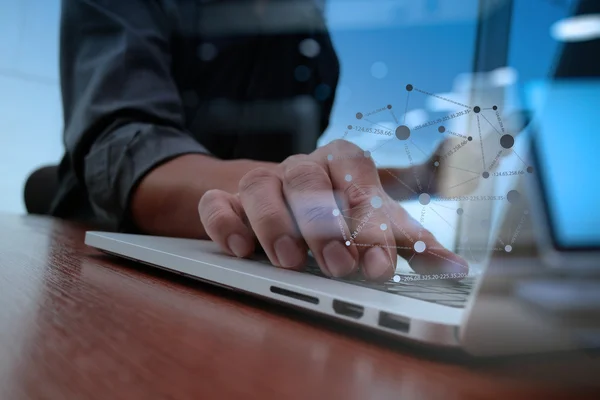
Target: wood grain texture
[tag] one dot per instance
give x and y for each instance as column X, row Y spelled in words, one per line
column 75, row 324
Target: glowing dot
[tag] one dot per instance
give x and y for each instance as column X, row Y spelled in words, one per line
column 207, row 51
column 477, row 109
column 442, row 129
column 470, row 138
column 379, row 70
column 367, row 154
column 389, row 106
column 349, row 126
column 336, row 212
column 507, row 141
column 460, row 211
column 330, row 157
column 495, row 108
column 403, row 132
column 309, row 48
column 437, row 163
column 348, row 178
column 348, row 243
column 513, row 196
column 420, row 246
column 508, row 248
column 383, row 227
column 424, row 199
column 530, row 170
column 485, row 175
column 359, row 115
column 376, row 202
column 409, row 88
column 396, row 278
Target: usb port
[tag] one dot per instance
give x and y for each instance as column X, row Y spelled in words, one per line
column 395, row 322
column 348, row 309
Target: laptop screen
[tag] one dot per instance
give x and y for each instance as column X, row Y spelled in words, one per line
column 566, row 146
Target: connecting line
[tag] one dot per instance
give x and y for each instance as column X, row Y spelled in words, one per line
column 340, row 218
column 401, row 229
column 431, row 179
column 388, row 252
column 362, row 225
column 411, row 257
column 481, row 141
column 488, row 121
column 406, row 108
column 444, row 219
column 412, row 166
column 375, row 123
column 439, row 205
column 418, row 148
column 387, row 247
column 447, row 259
column 462, row 169
column 515, row 153
column 394, row 116
column 381, row 145
column 477, row 177
column 399, row 180
column 443, row 98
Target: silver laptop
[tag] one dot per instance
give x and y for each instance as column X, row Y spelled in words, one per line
column 480, row 314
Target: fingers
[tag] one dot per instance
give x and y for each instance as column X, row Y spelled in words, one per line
column 359, row 182
column 309, row 193
column 416, row 244
column 221, row 215
column 261, row 196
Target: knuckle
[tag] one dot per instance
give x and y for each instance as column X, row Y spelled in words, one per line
column 217, row 217
column 317, row 213
column 255, row 180
column 266, row 213
column 360, row 195
column 305, row 176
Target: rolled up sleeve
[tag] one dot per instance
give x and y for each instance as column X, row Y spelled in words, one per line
column 122, row 109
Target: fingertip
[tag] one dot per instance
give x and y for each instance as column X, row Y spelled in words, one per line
column 239, row 246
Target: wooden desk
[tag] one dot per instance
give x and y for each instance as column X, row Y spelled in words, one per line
column 75, row 324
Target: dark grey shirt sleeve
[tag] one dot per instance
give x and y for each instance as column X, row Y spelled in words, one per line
column 122, row 110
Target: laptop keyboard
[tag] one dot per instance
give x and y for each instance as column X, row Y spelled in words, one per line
column 445, row 292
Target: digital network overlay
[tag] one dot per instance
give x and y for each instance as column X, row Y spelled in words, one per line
column 433, row 205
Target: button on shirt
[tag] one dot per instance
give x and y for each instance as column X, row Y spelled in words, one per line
column 144, row 81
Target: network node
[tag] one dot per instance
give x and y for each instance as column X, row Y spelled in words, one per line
column 330, row 157
column 420, row 246
column 348, row 178
column 441, row 129
column 367, row 154
column 485, row 175
column 396, row 278
column 495, row 108
column 530, row 170
column 437, row 163
column 477, row 109
column 507, row 141
column 376, row 202
column 348, row 243
column 424, row 199
column 508, row 248
column 359, row 115
column 513, row 197
column 403, row 132
column 460, row 211
column 409, row 88
column 389, row 106
column 336, row 213
column 383, row 227
column 349, row 126
column 470, row 138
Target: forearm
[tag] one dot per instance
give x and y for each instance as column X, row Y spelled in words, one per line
column 166, row 200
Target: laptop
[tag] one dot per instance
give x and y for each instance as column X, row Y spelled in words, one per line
column 478, row 314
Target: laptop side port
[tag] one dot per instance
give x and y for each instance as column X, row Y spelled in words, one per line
column 348, row 309
column 395, row 322
column 294, row 295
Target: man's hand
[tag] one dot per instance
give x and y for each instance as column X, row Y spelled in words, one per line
column 330, row 202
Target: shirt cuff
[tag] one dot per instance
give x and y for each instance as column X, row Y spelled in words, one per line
column 114, row 166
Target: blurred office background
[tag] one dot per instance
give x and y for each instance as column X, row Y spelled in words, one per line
column 383, row 45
